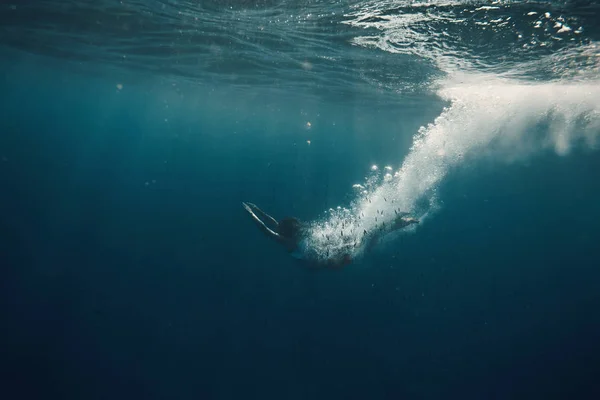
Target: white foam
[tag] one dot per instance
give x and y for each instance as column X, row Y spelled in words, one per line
column 502, row 113
column 487, row 117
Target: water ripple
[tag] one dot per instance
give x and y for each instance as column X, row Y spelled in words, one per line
column 386, row 46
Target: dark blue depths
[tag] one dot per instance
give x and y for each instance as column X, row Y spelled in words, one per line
column 129, row 269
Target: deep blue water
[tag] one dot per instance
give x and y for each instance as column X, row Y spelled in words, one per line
column 130, row 269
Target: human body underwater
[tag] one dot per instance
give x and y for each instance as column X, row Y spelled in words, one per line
column 295, row 236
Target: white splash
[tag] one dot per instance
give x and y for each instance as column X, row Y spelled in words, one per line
column 502, row 113
column 487, row 116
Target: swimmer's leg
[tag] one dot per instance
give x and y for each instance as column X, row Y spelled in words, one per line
column 371, row 243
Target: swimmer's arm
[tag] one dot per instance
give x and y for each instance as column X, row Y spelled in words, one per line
column 263, row 215
column 261, row 225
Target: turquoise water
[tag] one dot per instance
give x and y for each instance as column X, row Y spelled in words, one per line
column 131, row 132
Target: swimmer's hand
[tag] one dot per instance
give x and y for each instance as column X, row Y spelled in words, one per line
column 248, row 208
column 253, row 215
column 253, row 210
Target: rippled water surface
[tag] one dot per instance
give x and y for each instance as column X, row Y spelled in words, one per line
column 313, row 44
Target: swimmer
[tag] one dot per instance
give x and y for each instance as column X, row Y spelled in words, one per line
column 292, row 234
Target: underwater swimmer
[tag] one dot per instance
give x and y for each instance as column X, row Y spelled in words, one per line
column 292, row 234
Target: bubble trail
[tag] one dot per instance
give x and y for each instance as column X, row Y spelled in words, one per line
column 488, row 117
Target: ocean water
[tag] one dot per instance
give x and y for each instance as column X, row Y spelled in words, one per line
column 131, row 131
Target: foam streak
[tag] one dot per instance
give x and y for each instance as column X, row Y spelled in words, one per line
column 487, row 117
